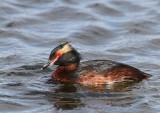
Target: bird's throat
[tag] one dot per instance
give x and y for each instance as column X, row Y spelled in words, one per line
column 65, row 73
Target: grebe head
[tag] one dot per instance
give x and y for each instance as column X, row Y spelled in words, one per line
column 63, row 55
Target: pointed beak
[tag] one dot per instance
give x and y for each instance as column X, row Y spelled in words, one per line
column 49, row 63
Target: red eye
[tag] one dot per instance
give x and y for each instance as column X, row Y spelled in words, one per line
column 58, row 55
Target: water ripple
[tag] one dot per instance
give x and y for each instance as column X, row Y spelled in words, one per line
column 125, row 31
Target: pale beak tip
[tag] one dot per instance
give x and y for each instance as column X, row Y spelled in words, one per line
column 46, row 65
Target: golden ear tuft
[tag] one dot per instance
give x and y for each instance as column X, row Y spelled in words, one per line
column 66, row 47
column 66, row 43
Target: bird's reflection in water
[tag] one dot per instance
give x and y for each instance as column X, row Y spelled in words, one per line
column 71, row 96
column 68, row 104
column 66, row 88
column 65, row 98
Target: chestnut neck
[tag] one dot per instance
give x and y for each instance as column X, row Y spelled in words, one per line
column 68, row 68
column 65, row 73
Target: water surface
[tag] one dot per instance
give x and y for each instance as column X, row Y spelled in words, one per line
column 125, row 31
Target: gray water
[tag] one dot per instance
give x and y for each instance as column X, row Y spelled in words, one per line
column 126, row 31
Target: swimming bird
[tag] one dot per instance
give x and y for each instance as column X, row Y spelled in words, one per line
column 92, row 72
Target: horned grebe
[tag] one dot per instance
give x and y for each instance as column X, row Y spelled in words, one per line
column 92, row 72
